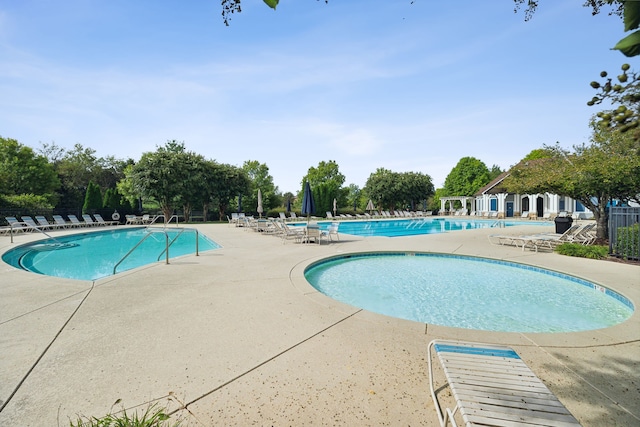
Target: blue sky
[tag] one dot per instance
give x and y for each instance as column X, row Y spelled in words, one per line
column 404, row 85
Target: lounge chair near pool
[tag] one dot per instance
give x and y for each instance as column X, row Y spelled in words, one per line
column 16, row 226
column 492, row 386
column 101, row 220
column 89, row 221
column 45, row 224
column 286, row 232
column 31, row 223
column 76, row 222
column 538, row 241
column 60, row 222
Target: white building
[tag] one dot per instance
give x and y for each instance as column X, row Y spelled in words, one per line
column 494, row 201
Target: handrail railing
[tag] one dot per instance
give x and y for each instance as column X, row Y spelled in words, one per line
column 130, row 251
column 155, row 219
column 21, row 225
column 167, row 244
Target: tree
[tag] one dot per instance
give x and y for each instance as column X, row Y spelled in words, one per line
column 326, row 182
column 494, row 172
column 92, row 198
column 78, row 166
column 466, row 177
column 226, row 183
column 258, row 174
column 22, row 172
column 354, row 197
column 597, row 174
column 629, row 11
column 168, row 176
column 393, row 190
column 626, row 95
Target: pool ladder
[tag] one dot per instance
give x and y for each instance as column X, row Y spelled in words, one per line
column 167, row 244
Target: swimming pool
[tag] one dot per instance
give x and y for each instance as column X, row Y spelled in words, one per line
column 417, row 226
column 93, row 255
column 468, row 292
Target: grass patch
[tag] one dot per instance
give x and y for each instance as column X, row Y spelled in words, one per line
column 153, row 416
column 582, row 251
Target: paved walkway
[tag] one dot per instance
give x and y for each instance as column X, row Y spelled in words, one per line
column 237, row 337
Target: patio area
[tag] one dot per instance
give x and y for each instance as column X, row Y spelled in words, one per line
column 236, row 336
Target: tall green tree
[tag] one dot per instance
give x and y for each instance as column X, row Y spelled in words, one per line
column 467, row 177
column 169, row 176
column 79, row 165
column 326, row 182
column 226, row 183
column 258, row 174
column 393, row 190
column 23, row 171
column 605, row 170
column 92, row 198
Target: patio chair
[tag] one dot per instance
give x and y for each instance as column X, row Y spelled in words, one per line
column 314, row 232
column 287, row 232
column 60, row 222
column 16, row 226
column 31, row 223
column 493, row 386
column 536, row 241
column 76, row 222
column 101, row 220
column 90, row 222
column 44, row 223
column 333, row 231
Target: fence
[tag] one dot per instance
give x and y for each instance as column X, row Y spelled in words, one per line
column 624, row 233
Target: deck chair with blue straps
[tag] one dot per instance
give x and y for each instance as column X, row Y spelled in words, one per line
column 492, row 386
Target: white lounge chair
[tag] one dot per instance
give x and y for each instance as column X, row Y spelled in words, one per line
column 287, row 232
column 31, row 223
column 89, row 221
column 16, row 226
column 75, row 221
column 536, row 241
column 101, row 220
column 45, row 224
column 62, row 223
column 492, row 386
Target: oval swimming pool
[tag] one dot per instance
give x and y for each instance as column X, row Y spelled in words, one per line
column 468, row 292
column 97, row 254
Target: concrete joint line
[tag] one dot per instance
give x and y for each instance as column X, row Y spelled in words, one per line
column 266, row 361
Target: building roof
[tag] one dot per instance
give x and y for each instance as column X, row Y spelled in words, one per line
column 495, row 186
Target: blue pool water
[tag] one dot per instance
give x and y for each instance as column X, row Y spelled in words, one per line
column 90, row 256
column 468, row 292
column 416, row 226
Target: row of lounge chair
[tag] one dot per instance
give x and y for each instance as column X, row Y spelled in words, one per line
column 279, row 228
column 584, row 234
column 379, row 215
column 41, row 223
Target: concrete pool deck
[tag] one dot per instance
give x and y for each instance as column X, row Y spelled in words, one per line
column 236, row 336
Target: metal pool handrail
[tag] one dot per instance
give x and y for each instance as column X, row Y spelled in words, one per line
column 155, row 218
column 167, row 244
column 176, row 238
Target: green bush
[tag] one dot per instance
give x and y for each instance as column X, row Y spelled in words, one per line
column 627, row 243
column 582, row 251
column 26, row 202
